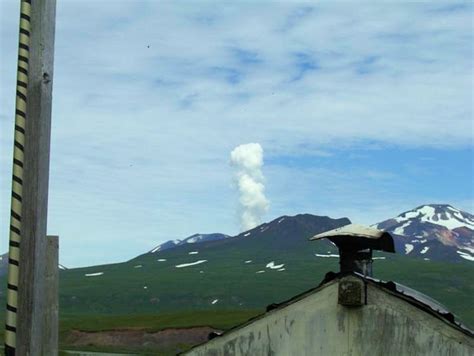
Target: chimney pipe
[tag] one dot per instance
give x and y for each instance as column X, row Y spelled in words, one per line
column 355, row 244
column 356, row 261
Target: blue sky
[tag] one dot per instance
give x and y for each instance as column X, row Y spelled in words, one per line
column 362, row 111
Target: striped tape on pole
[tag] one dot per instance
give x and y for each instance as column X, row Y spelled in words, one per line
column 17, row 182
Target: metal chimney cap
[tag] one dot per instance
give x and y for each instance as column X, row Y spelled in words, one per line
column 359, row 237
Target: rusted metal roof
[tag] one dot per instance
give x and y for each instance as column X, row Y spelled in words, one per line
column 420, row 300
column 359, row 237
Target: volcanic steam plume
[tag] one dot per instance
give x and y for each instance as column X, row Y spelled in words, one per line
column 248, row 160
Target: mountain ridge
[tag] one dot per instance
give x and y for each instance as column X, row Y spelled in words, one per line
column 433, row 231
column 422, row 232
column 195, row 238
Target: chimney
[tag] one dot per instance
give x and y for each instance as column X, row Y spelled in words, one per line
column 356, row 243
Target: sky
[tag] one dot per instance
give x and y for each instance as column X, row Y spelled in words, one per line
column 362, row 111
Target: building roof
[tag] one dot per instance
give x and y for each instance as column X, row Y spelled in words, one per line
column 420, row 300
column 409, row 295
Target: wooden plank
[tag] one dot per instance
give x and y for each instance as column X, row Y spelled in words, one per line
column 50, row 336
column 31, row 287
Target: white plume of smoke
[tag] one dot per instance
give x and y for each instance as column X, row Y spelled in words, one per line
column 248, row 159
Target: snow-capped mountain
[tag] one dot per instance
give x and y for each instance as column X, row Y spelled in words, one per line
column 434, row 231
column 188, row 240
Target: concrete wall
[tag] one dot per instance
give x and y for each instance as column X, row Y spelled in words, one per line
column 318, row 325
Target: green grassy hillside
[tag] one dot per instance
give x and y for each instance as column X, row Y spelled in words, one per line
column 236, row 285
column 234, row 280
column 234, row 274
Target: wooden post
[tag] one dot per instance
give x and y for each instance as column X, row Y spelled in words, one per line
column 50, row 336
column 31, row 287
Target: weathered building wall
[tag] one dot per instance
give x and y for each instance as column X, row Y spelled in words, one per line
column 318, row 325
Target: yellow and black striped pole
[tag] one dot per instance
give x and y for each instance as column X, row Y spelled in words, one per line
column 17, row 183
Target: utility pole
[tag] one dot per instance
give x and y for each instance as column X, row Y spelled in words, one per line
column 26, row 320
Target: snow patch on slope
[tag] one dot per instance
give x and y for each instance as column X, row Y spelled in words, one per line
column 194, row 239
column 465, row 255
column 156, row 249
column 272, row 265
column 330, row 255
column 471, row 250
column 401, row 229
column 451, row 218
column 94, row 274
column 190, row 264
